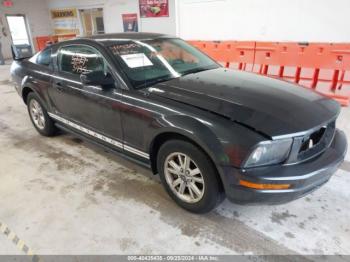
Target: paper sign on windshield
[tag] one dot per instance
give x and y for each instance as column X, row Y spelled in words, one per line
column 136, row 60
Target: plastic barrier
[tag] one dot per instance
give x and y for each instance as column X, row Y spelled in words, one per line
column 319, row 66
column 43, row 41
column 239, row 55
column 323, row 67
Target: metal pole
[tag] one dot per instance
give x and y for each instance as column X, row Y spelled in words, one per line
column 2, row 61
column 2, row 35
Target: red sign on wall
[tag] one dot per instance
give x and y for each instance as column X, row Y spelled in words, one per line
column 130, row 22
column 154, row 8
column 7, row 3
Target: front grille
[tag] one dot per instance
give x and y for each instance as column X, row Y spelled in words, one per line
column 316, row 142
column 312, row 140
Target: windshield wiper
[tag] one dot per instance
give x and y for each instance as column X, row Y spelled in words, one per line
column 148, row 83
column 196, row 70
column 153, row 82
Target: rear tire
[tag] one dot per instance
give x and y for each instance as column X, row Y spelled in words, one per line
column 39, row 117
column 189, row 176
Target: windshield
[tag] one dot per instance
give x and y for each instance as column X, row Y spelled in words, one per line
column 152, row 61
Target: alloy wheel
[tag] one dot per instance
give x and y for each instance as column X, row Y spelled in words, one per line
column 37, row 114
column 184, row 177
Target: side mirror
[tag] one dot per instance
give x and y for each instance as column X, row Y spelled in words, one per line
column 97, row 78
column 20, row 52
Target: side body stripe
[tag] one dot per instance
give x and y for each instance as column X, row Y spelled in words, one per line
column 100, row 136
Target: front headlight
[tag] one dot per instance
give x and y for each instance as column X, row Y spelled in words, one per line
column 269, row 153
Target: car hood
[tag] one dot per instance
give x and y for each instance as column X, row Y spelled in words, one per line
column 270, row 106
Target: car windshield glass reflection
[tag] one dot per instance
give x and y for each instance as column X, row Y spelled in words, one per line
column 152, row 61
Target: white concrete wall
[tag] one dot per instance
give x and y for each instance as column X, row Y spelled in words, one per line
column 267, row 20
column 37, row 16
column 113, row 10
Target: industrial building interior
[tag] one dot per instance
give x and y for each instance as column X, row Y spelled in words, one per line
column 64, row 195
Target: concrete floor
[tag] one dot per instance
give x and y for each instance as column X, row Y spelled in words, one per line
column 64, row 196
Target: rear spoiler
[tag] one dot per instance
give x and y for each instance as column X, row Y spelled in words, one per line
column 21, row 52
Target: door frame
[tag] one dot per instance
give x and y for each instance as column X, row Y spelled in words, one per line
column 87, row 7
column 29, row 33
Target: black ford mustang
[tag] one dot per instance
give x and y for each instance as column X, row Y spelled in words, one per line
column 206, row 130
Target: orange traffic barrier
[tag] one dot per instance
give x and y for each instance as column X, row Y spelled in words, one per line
column 233, row 54
column 43, row 41
column 320, row 66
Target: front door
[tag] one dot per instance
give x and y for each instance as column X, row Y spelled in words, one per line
column 94, row 110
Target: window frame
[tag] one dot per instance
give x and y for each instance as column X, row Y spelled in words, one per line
column 121, row 80
column 51, row 59
column 121, row 66
column 58, row 61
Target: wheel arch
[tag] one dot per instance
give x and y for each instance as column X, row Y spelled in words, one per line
column 27, row 89
column 163, row 137
column 189, row 129
column 25, row 92
column 158, row 141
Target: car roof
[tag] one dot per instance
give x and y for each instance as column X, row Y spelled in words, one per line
column 124, row 36
column 106, row 39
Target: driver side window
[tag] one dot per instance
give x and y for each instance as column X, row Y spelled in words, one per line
column 80, row 59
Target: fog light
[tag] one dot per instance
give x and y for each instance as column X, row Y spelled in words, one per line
column 263, row 186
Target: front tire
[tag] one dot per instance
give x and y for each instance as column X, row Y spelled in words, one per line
column 189, row 176
column 39, row 117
